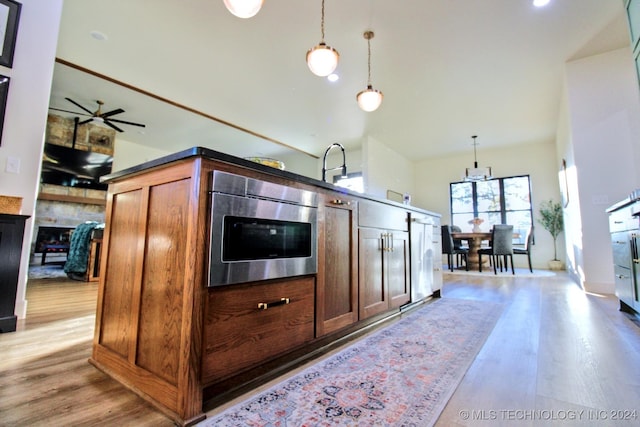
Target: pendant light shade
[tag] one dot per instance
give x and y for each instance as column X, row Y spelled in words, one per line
column 243, row 8
column 370, row 98
column 475, row 173
column 322, row 59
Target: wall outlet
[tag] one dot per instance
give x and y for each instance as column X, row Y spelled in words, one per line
column 13, row 164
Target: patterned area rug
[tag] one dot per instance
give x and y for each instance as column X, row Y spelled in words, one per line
column 403, row 374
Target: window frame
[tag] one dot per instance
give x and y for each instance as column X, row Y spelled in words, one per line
column 503, row 211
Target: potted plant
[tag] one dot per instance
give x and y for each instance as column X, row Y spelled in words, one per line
column 552, row 221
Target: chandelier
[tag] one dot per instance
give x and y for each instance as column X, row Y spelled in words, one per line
column 475, row 173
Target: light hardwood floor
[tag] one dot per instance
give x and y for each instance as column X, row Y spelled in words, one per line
column 555, row 352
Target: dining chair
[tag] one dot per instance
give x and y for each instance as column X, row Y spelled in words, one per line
column 501, row 246
column 458, row 243
column 527, row 247
column 448, row 248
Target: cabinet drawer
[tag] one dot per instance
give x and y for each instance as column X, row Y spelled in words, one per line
column 621, row 220
column 239, row 335
column 621, row 247
column 379, row 215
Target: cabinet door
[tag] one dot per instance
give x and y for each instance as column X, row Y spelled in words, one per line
column 396, row 268
column 437, row 258
column 372, row 291
column 337, row 288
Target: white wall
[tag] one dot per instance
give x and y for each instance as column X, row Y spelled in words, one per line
column 603, row 116
column 127, row 154
column 384, row 169
column 26, row 114
column 539, row 161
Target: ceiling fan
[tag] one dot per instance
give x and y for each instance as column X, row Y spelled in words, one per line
column 99, row 116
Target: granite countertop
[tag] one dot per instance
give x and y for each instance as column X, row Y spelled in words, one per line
column 238, row 161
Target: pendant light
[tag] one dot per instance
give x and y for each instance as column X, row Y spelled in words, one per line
column 475, row 173
column 370, row 98
column 243, row 8
column 322, row 59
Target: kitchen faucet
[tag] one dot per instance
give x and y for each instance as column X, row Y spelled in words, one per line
column 324, row 162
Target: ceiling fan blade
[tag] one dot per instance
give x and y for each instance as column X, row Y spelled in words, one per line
column 67, row 111
column 79, row 106
column 108, row 123
column 127, row 123
column 85, row 121
column 112, row 112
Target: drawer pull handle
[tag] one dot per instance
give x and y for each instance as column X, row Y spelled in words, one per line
column 622, row 276
column 266, row 305
column 636, row 261
column 340, row 202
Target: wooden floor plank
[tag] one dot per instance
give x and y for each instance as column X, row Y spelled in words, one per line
column 555, row 353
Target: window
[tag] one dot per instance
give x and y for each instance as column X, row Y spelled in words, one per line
column 496, row 201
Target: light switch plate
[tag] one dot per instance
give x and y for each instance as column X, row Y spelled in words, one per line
column 13, row 164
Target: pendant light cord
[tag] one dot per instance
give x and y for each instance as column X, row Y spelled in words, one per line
column 368, row 35
column 475, row 159
column 369, row 61
column 322, row 24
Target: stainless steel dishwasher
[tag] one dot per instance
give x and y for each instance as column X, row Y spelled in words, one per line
column 422, row 255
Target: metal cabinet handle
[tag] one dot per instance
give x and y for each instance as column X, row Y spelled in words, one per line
column 636, row 261
column 340, row 202
column 622, row 276
column 391, row 247
column 266, row 305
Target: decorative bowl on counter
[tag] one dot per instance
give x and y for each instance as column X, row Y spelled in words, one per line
column 267, row 162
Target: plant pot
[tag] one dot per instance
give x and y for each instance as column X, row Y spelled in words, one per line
column 555, row 265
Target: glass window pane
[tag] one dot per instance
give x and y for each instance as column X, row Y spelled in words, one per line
column 462, row 197
column 521, row 221
column 462, row 221
column 488, row 195
column 516, row 193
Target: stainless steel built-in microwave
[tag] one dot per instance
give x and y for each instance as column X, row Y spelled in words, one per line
column 260, row 230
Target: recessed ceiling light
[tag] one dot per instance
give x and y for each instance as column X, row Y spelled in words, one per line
column 333, row 77
column 540, row 3
column 98, row 35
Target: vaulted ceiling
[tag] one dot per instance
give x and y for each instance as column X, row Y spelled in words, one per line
column 448, row 69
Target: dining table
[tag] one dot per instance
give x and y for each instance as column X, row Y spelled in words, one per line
column 474, row 239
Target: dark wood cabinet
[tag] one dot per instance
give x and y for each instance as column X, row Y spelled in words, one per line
column 383, row 258
column 337, row 291
column 11, row 236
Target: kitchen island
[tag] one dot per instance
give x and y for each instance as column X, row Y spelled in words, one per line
column 166, row 331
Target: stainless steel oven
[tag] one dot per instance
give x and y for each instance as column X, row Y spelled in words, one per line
column 260, row 230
